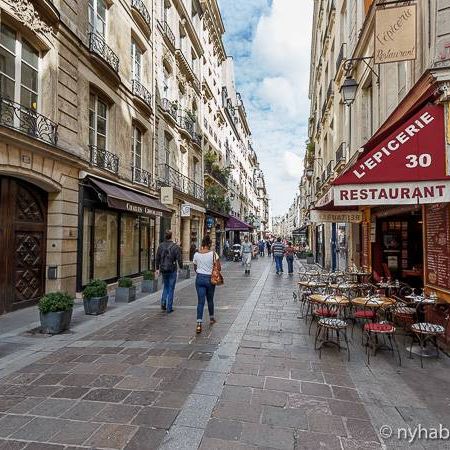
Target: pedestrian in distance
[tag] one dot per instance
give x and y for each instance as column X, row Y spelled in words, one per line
column 290, row 253
column 269, row 248
column 246, row 254
column 203, row 264
column 262, row 246
column 278, row 250
column 168, row 257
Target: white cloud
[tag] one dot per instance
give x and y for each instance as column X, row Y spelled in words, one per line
column 292, row 162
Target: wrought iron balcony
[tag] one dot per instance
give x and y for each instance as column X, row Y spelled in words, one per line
column 217, row 174
column 141, row 176
column 104, row 159
column 140, row 91
column 170, row 107
column 187, row 124
column 168, row 33
column 168, row 176
column 340, row 57
column 27, row 121
column 197, row 139
column 98, row 46
column 340, row 154
column 139, row 6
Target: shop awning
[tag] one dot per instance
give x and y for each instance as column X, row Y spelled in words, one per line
column 234, row 224
column 409, row 166
column 300, row 231
column 125, row 199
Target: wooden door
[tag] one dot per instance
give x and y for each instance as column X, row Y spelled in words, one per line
column 23, row 222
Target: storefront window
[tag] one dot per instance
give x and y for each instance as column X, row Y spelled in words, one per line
column 87, row 237
column 145, row 243
column 129, row 245
column 105, row 245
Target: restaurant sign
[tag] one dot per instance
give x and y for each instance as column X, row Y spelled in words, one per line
column 133, row 207
column 336, row 216
column 395, row 33
column 410, row 193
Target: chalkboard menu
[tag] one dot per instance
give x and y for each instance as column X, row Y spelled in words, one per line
column 437, row 246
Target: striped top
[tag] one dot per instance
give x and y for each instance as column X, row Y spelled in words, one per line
column 278, row 249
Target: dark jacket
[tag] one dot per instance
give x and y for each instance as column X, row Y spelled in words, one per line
column 174, row 255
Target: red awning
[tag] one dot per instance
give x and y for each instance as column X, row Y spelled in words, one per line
column 409, row 166
column 234, row 224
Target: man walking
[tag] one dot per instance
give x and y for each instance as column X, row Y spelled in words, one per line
column 167, row 257
column 278, row 253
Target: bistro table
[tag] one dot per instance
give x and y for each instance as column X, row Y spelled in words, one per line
column 374, row 302
column 312, row 284
column 330, row 300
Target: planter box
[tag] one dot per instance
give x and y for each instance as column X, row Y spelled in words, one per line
column 95, row 305
column 125, row 295
column 310, row 260
column 150, row 285
column 55, row 322
column 185, row 274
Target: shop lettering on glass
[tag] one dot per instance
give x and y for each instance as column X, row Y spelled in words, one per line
column 412, row 161
column 395, row 34
column 142, row 209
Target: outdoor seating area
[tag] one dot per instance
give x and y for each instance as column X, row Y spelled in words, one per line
column 351, row 306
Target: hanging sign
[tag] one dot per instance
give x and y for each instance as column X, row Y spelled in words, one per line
column 167, row 195
column 395, row 34
column 318, row 216
column 185, row 210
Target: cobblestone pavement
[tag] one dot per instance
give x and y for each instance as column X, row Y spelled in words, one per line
column 253, row 380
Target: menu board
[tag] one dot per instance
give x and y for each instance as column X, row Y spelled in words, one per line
column 437, row 246
column 365, row 256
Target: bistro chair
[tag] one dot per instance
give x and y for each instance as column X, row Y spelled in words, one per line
column 329, row 331
column 363, row 313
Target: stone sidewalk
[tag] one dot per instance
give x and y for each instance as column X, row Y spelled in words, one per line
column 139, row 379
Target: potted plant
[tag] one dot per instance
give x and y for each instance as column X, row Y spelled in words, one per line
column 185, row 272
column 55, row 310
column 95, row 297
column 149, row 283
column 125, row 292
column 309, row 258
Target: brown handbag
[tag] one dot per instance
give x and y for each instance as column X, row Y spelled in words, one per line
column 216, row 275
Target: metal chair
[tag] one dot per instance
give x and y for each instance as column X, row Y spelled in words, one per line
column 326, row 327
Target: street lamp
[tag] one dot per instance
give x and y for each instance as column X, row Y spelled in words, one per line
column 348, row 90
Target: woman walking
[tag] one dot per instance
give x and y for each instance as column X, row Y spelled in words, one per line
column 246, row 253
column 289, row 253
column 203, row 265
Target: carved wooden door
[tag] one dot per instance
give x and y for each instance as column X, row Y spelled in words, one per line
column 23, row 215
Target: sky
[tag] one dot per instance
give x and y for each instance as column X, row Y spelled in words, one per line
column 269, row 41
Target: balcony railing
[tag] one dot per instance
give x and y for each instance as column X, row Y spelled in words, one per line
column 197, row 139
column 28, row 121
column 340, row 154
column 141, row 176
column 139, row 6
column 217, row 174
column 98, row 46
column 104, row 159
column 187, row 124
column 340, row 57
column 168, row 33
column 170, row 107
column 168, row 176
column 139, row 90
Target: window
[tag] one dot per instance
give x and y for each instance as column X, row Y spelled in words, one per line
column 97, row 17
column 98, row 120
column 105, row 245
column 19, row 69
column 137, row 147
column 136, row 61
column 129, row 245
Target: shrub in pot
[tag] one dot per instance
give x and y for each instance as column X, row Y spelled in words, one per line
column 149, row 283
column 309, row 258
column 125, row 292
column 95, row 297
column 55, row 310
column 185, row 272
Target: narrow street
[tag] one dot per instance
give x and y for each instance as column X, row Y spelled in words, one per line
column 144, row 380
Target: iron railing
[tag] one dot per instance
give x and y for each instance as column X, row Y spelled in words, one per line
column 139, row 6
column 98, row 46
column 197, row 139
column 28, row 121
column 139, row 90
column 170, row 107
column 216, row 173
column 340, row 57
column 186, row 123
column 168, row 33
column 141, row 176
column 168, row 176
column 340, row 153
column 104, row 159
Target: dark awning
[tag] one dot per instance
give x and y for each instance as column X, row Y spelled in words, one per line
column 128, row 200
column 300, row 231
column 234, row 224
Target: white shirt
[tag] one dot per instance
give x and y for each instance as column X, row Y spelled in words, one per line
column 204, row 262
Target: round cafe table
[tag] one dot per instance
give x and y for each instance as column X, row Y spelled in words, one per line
column 312, row 284
column 330, row 300
column 374, row 302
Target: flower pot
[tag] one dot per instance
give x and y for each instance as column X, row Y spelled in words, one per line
column 149, row 286
column 310, row 260
column 125, row 295
column 95, row 305
column 55, row 322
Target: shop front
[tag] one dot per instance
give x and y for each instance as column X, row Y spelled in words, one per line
column 402, row 187
column 117, row 231
column 234, row 227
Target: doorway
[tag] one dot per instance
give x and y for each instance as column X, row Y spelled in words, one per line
column 23, row 224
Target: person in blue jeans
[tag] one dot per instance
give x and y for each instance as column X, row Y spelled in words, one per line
column 278, row 253
column 168, row 257
column 203, row 265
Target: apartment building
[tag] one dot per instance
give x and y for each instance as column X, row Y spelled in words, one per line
column 356, row 102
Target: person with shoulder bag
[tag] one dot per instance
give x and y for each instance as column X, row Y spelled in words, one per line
column 207, row 266
column 168, row 257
